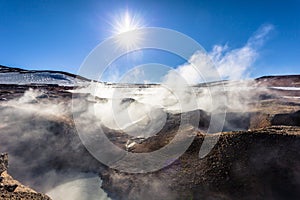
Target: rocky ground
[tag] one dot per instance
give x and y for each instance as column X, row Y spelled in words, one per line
column 11, row 189
column 256, row 157
column 257, row 164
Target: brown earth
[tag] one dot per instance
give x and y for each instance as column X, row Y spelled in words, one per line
column 11, row 189
column 256, row 158
column 257, row 164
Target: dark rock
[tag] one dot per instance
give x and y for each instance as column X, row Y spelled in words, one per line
column 10, row 188
column 289, row 119
column 127, row 100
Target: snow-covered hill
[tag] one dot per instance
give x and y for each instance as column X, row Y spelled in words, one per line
column 23, row 77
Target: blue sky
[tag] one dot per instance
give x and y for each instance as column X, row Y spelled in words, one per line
column 58, row 34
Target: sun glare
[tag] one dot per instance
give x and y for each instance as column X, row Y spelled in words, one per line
column 126, row 30
column 127, row 22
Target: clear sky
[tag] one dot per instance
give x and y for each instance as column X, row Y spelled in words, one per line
column 59, row 34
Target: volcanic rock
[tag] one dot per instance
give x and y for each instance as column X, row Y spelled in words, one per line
column 256, row 157
column 256, row 164
column 11, row 189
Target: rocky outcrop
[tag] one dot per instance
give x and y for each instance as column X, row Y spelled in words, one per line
column 11, row 189
column 289, row 119
column 282, row 81
column 257, row 164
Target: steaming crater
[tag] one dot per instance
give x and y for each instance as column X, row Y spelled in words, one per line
column 38, row 132
column 85, row 187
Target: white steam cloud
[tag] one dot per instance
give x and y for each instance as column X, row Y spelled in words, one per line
column 32, row 124
column 230, row 64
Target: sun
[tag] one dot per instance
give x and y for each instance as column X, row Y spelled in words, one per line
column 126, row 30
column 127, row 22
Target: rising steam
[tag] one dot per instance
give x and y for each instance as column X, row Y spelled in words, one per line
column 32, row 125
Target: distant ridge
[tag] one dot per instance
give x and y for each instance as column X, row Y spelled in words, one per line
column 278, row 76
column 5, row 69
column 274, row 80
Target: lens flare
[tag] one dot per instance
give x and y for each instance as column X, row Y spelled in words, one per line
column 126, row 28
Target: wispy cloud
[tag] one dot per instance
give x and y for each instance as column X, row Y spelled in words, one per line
column 234, row 64
column 231, row 64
